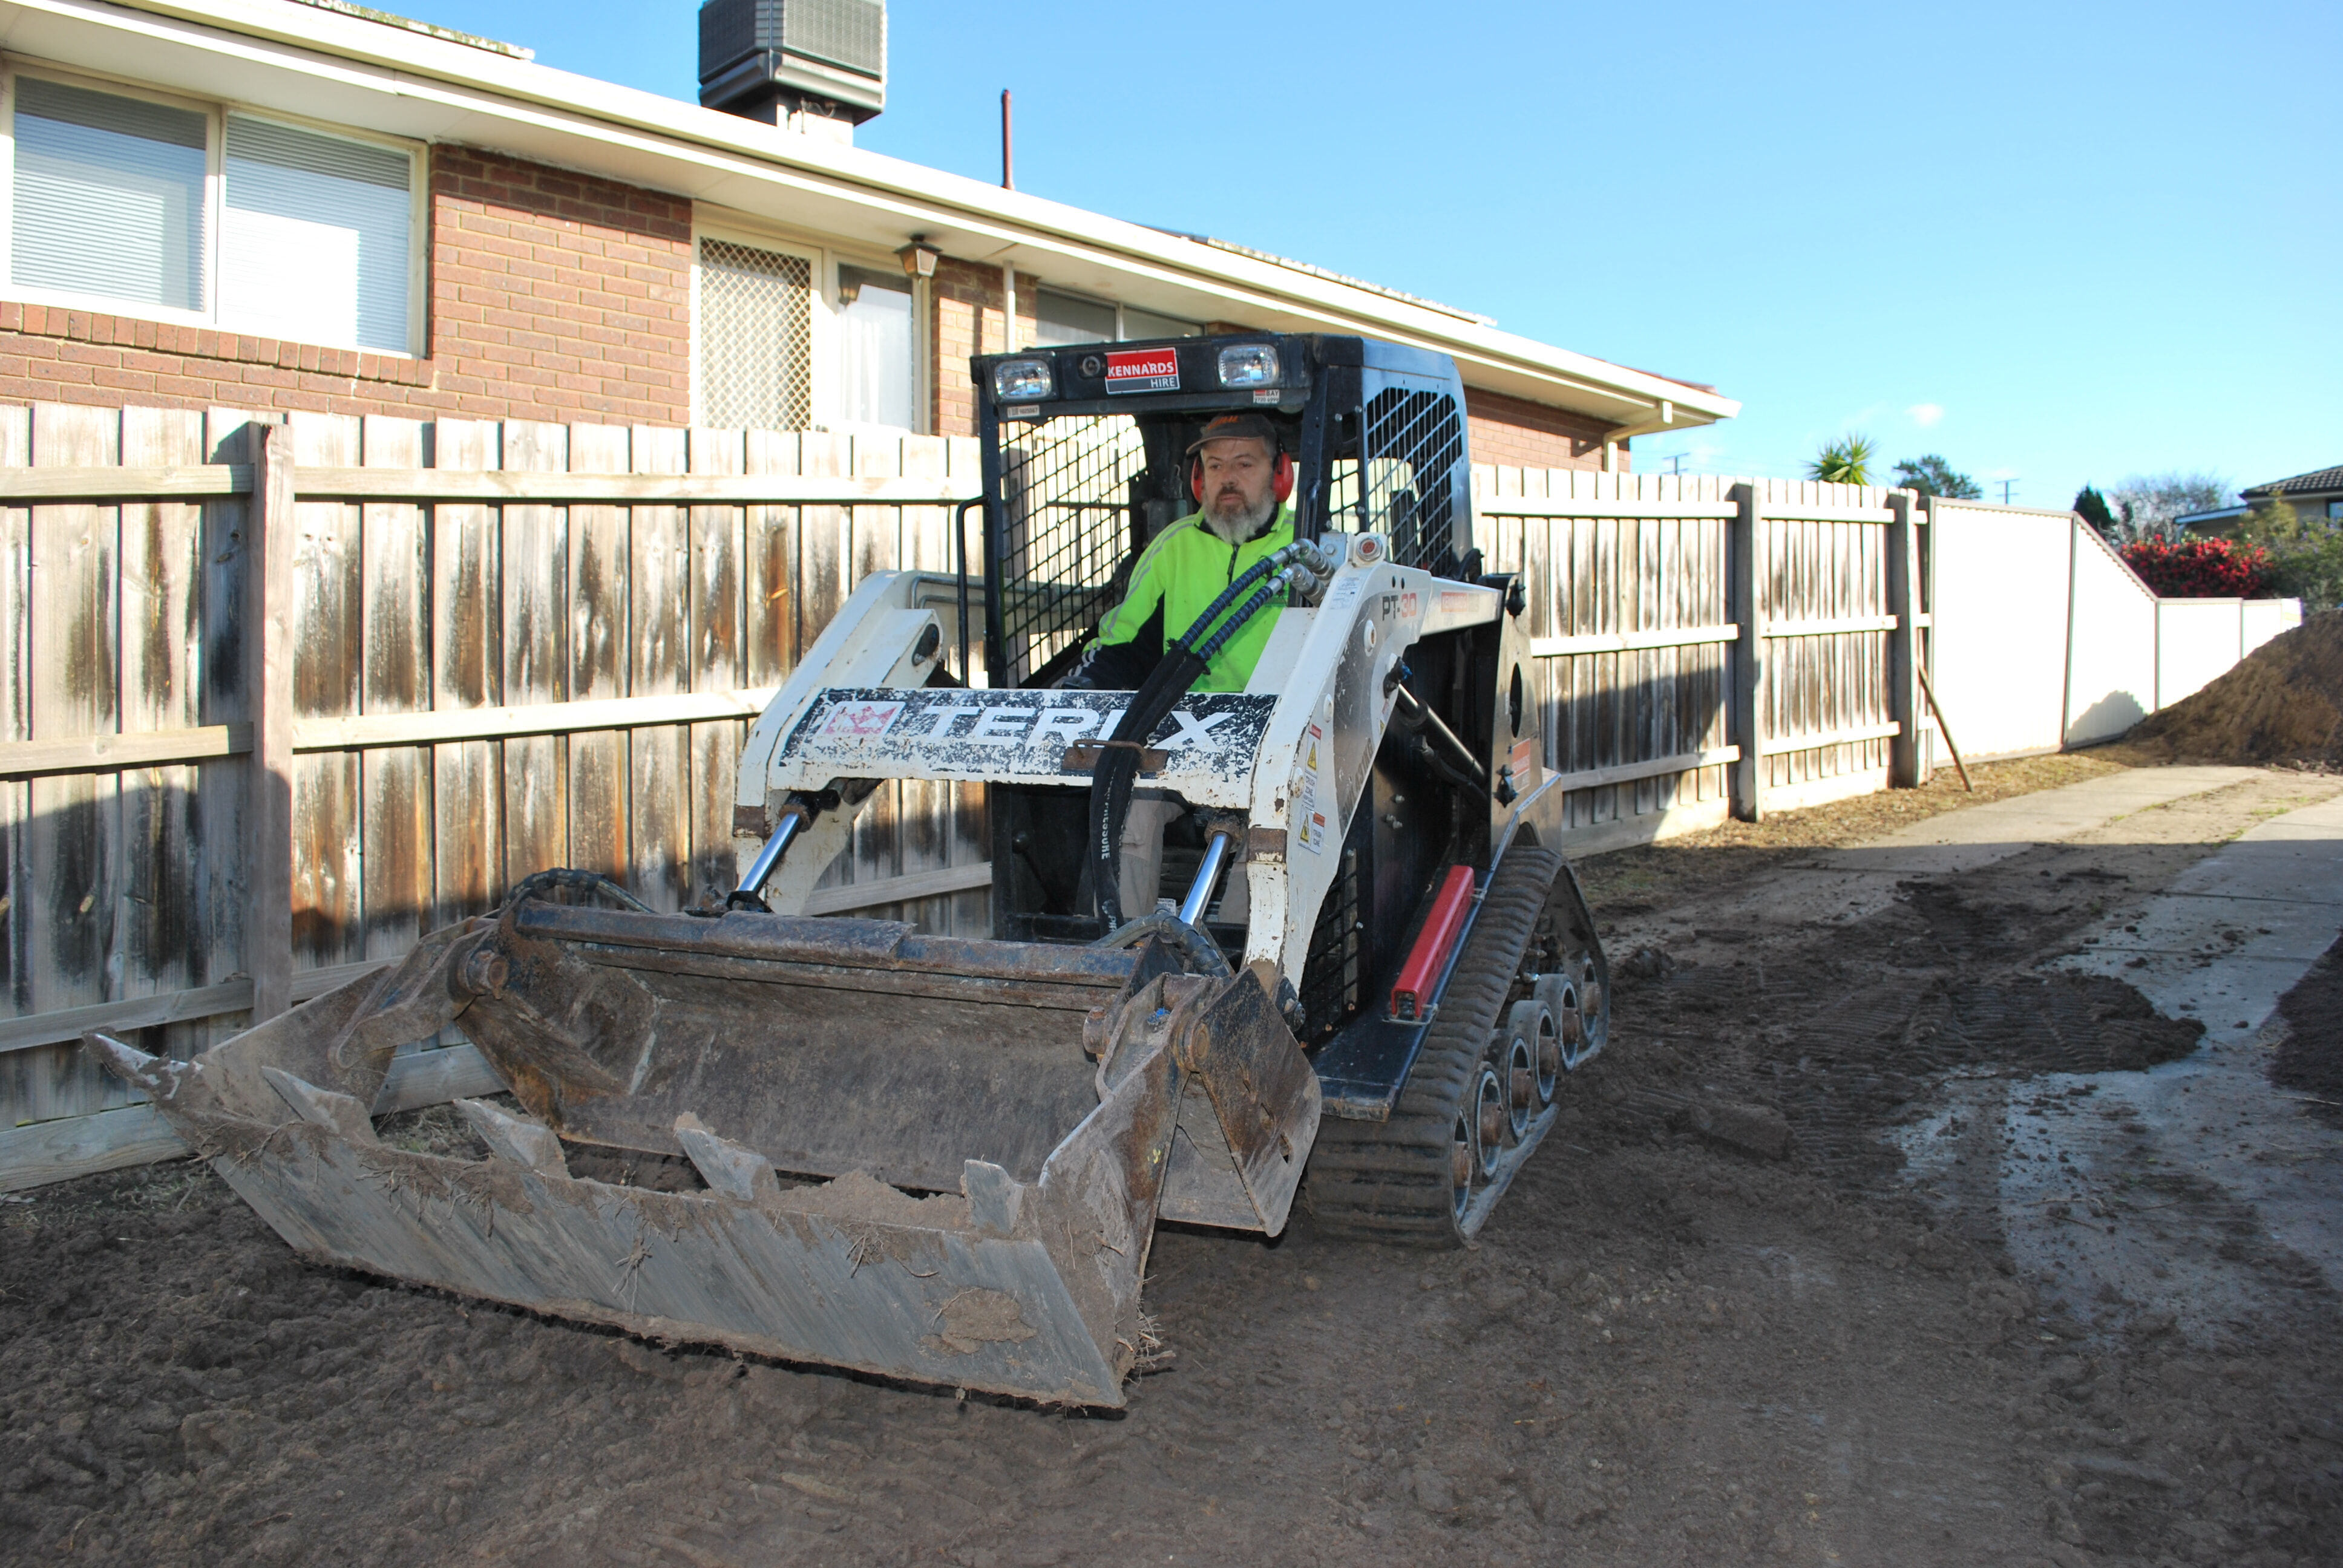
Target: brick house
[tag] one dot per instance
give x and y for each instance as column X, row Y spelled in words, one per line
column 294, row 205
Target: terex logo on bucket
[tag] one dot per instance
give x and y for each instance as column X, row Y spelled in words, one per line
column 1144, row 370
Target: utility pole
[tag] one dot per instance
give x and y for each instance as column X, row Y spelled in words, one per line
column 1007, row 167
column 2006, row 484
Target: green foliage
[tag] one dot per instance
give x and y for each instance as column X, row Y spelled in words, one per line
column 1845, row 461
column 2306, row 553
column 2092, row 507
column 1932, row 476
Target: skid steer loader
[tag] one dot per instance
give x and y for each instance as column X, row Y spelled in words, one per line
column 942, row 1158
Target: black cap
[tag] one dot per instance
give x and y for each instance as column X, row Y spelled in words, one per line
column 1226, row 426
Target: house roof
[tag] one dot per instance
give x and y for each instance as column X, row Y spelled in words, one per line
column 2310, row 484
column 343, row 66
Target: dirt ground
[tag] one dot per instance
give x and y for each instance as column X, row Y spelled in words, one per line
column 1664, row 1351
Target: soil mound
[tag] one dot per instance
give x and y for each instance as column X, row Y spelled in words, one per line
column 2282, row 705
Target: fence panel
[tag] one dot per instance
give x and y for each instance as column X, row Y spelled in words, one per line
column 2003, row 601
column 1630, row 636
column 434, row 635
column 2111, row 670
column 1827, row 719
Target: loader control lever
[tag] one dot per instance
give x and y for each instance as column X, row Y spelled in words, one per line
column 1436, row 743
column 1183, row 661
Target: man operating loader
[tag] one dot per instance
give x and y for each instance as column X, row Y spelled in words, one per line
column 1240, row 477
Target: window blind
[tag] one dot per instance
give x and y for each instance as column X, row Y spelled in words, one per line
column 314, row 237
column 109, row 196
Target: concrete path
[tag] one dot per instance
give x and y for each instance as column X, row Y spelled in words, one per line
column 2222, row 943
column 1862, row 880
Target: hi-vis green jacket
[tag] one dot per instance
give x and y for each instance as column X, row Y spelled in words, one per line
column 1176, row 580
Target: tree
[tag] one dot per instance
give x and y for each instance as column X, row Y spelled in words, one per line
column 1932, row 476
column 2306, row 553
column 1845, row 461
column 2150, row 505
column 2092, row 507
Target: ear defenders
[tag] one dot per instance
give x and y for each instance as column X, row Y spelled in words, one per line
column 1281, row 478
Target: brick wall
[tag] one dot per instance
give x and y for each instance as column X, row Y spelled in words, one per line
column 552, row 296
column 1519, row 433
column 965, row 296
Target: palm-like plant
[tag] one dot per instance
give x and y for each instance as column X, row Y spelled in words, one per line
column 1845, row 461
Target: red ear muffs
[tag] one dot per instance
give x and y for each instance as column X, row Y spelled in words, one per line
column 1281, row 479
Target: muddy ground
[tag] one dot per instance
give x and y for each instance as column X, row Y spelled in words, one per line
column 1664, row 1351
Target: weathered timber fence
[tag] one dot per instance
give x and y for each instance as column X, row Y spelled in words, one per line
column 1710, row 646
column 278, row 698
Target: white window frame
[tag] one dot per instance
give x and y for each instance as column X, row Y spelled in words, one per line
column 216, row 113
column 832, row 376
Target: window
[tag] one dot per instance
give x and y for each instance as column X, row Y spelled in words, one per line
column 109, row 195
column 314, row 237
column 1060, row 319
column 2335, row 511
column 124, row 201
column 1063, row 319
column 877, row 356
column 755, row 338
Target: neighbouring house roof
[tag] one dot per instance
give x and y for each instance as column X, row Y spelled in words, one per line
column 2313, row 483
column 339, row 65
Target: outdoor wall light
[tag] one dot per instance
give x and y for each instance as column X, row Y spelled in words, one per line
column 919, row 260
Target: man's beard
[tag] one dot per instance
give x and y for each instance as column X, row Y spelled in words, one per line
column 1236, row 527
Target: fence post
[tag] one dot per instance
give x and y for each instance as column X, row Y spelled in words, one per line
column 269, row 538
column 1904, row 756
column 1747, row 788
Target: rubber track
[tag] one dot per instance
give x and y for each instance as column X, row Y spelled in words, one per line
column 1390, row 1181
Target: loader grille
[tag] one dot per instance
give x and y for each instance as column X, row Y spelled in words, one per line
column 1331, row 975
column 1404, row 482
column 1065, row 544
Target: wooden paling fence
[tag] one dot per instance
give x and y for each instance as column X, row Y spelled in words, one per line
column 1711, row 647
column 279, row 698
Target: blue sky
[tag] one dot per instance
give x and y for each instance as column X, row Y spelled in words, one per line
column 2056, row 243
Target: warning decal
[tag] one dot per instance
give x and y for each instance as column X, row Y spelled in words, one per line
column 1310, row 800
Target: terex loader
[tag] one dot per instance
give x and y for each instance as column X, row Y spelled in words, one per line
column 940, row 1158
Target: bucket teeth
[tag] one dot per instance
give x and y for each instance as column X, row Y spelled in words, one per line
column 529, row 1144
column 729, row 1168
column 338, row 1113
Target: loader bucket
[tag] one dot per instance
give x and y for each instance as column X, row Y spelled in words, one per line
column 932, row 1159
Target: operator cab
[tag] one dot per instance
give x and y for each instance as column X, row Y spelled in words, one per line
column 1084, row 464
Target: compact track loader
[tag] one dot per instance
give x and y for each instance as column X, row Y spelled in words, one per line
column 942, row 1159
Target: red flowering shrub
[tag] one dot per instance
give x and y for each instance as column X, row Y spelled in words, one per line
column 2201, row 569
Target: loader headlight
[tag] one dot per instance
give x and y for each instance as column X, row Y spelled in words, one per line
column 1249, row 365
column 1023, row 381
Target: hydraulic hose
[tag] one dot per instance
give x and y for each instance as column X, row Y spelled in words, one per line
column 1117, row 765
column 539, row 883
